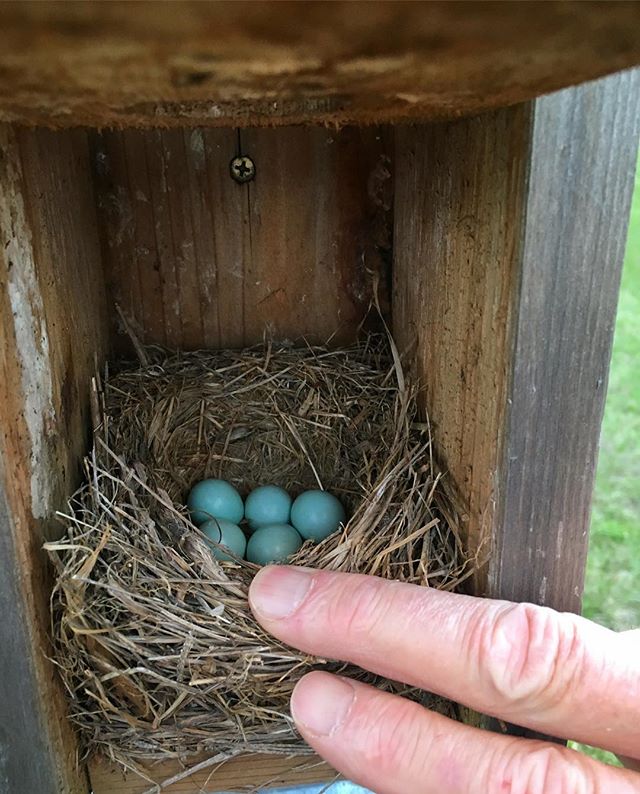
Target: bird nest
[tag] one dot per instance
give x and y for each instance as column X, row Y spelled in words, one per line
column 157, row 647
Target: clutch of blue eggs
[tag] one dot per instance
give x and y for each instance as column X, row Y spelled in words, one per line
column 268, row 527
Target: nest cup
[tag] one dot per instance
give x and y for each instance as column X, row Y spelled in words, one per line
column 154, row 638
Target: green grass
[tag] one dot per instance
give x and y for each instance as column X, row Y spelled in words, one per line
column 612, row 591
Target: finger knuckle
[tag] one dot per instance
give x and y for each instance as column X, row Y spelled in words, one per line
column 394, row 740
column 531, row 654
column 357, row 610
column 543, row 770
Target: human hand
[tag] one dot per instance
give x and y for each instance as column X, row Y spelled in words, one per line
column 554, row 673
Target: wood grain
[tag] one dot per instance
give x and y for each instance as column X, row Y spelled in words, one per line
column 197, row 260
column 508, row 239
column 224, row 64
column 581, row 173
column 52, row 326
column 244, row 773
column 459, row 190
column 509, row 233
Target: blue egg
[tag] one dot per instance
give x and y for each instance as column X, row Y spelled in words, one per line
column 266, row 506
column 226, row 533
column 215, row 499
column 273, row 544
column 317, row 514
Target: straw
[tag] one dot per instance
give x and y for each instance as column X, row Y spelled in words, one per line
column 157, row 647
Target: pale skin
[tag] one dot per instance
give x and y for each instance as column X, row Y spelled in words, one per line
column 555, row 673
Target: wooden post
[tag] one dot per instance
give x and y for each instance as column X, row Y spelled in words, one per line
column 509, row 238
column 53, row 330
column 582, row 167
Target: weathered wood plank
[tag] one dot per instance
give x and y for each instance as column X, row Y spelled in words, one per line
column 243, row 64
column 197, row 260
column 459, row 191
column 25, row 750
column 202, row 215
column 52, row 324
column 244, row 773
column 509, row 233
column 582, row 165
column 141, row 237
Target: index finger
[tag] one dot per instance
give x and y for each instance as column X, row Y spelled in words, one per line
column 552, row 672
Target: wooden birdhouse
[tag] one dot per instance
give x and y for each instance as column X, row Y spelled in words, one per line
column 214, row 172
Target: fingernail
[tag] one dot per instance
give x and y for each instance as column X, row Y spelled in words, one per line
column 321, row 702
column 277, row 591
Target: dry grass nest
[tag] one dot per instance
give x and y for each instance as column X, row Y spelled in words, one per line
column 157, row 647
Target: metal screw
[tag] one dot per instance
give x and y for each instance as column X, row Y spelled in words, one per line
column 242, row 169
